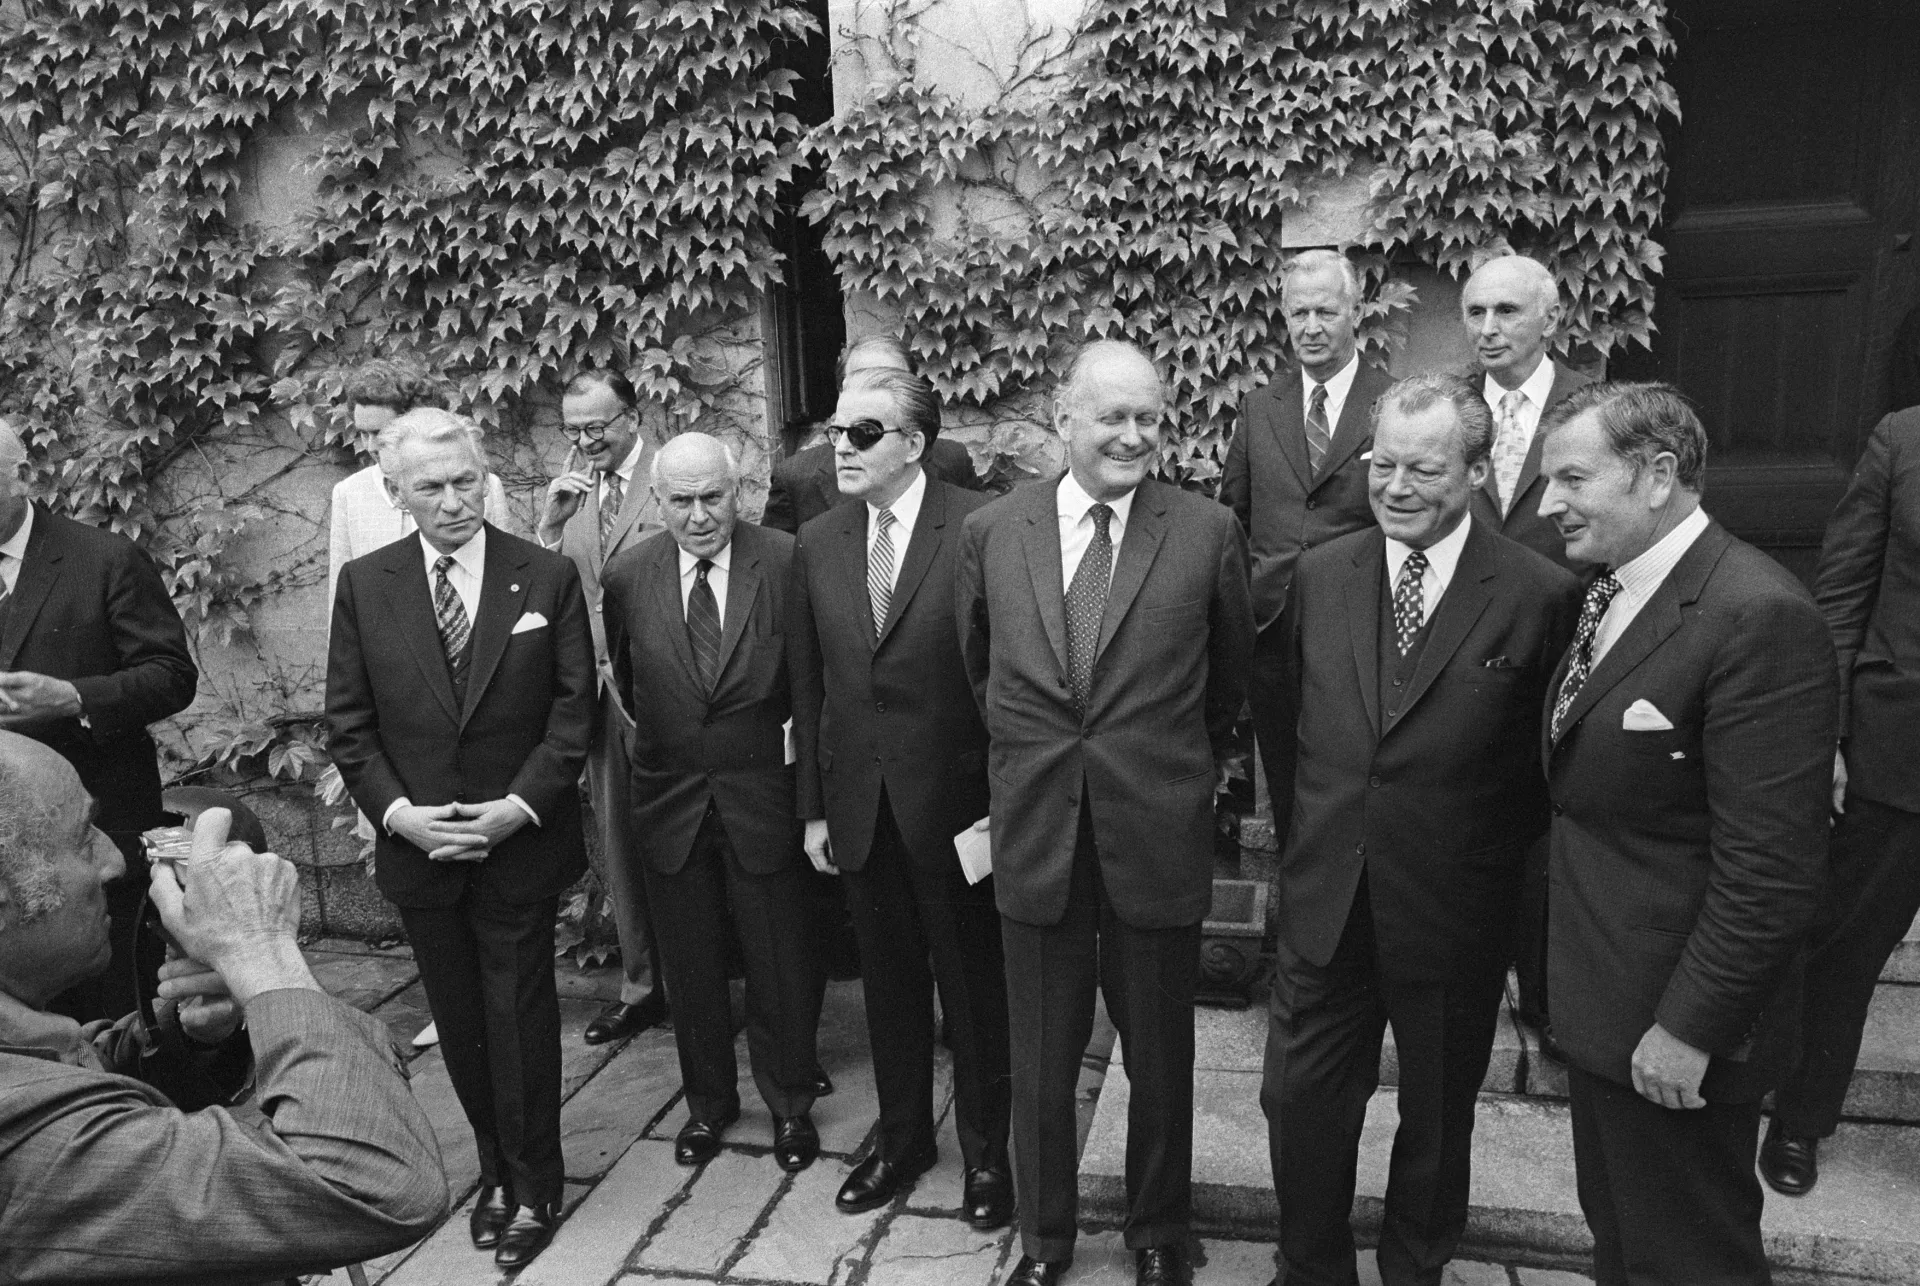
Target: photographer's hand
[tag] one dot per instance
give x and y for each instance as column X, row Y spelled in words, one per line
column 201, row 999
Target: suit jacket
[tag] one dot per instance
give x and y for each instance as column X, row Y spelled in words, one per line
column 394, row 728
column 1437, row 803
column 690, row 746
column 362, row 519
column 1523, row 521
column 89, row 607
column 1868, row 588
column 102, row 1177
column 1686, row 864
column 580, row 540
column 804, row 485
column 896, row 713
column 1282, row 506
column 1169, row 677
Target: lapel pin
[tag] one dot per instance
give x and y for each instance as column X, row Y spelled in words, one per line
column 513, row 589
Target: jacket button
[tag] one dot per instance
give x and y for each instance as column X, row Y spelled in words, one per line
column 879, row 707
column 1559, row 811
column 1306, row 544
column 1361, row 848
column 1313, row 504
column 1374, row 782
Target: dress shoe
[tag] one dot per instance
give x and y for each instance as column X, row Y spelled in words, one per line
column 621, row 1020
column 526, row 1235
column 795, row 1142
column 1790, row 1163
column 874, row 1181
column 1550, row 1048
column 822, row 1083
column 699, row 1140
column 490, row 1211
column 987, row 1197
column 1038, row 1272
column 1159, row 1266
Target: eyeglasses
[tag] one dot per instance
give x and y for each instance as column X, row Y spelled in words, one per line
column 862, row 433
column 590, row 432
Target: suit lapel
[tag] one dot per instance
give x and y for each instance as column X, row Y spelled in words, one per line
column 636, row 504
column 1355, row 427
column 848, row 558
column 39, row 567
column 503, row 588
column 1042, row 548
column 922, row 545
column 1363, row 620
column 411, row 600
column 1288, row 425
column 664, row 577
column 1146, row 525
column 743, row 585
column 1466, row 597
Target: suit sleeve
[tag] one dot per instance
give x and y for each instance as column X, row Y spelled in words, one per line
column 1767, row 751
column 1236, row 478
column 154, row 675
column 780, row 513
column 1847, row 582
column 807, row 678
column 552, row 771
column 353, row 721
column 1230, row 636
column 613, row 618
column 970, row 609
column 957, row 468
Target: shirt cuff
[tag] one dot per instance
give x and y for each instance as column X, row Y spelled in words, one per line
column 386, row 818
column 526, row 808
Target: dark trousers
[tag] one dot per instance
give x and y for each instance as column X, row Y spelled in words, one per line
column 1530, row 937
column 920, row 924
column 1873, row 891
column 1276, row 719
column 1147, row 977
column 690, row 910
column 1670, row 1196
column 487, row 967
column 1324, row 1035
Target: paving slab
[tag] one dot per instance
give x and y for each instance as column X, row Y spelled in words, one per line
column 1904, row 964
column 1550, row 1277
column 806, row 1239
column 915, row 1250
column 632, row 1089
column 447, row 1258
column 1886, row 1080
column 405, row 1014
column 725, row 1202
column 598, row 1239
column 361, row 980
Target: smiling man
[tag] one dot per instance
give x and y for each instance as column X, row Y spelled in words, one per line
column 1421, row 651
column 1107, row 632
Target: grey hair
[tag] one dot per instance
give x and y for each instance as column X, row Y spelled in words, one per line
column 1076, row 364
column 1473, row 419
column 432, row 424
column 1641, row 421
column 29, row 879
column 914, row 400
column 1318, row 258
column 1546, row 289
column 893, row 349
column 726, row 452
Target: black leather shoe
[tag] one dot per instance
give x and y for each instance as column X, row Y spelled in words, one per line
column 1039, row 1272
column 526, row 1235
column 795, row 1142
column 875, row 1181
column 987, row 1198
column 1790, row 1163
column 699, row 1140
column 490, row 1211
column 822, row 1083
column 619, row 1021
column 1551, row 1047
column 1159, row 1266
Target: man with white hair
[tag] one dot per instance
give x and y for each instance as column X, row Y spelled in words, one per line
column 460, row 687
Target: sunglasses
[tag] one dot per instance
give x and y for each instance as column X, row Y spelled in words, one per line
column 861, row 433
column 590, row 432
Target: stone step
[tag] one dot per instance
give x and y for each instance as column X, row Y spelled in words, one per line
column 1904, row 964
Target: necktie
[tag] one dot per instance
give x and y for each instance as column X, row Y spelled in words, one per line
column 1319, row 436
column 703, row 625
column 1087, row 603
column 1407, row 601
column 452, row 615
column 880, row 569
column 610, row 504
column 1509, row 447
column 1580, row 659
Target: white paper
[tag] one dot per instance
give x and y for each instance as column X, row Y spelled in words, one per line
column 976, row 853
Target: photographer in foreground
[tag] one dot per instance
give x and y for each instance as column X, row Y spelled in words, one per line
column 102, row 1177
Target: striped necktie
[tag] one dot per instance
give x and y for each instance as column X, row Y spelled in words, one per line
column 1319, row 436
column 455, row 630
column 880, row 569
column 703, row 625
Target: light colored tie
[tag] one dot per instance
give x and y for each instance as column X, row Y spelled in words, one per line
column 880, row 569
column 1319, row 436
column 1509, row 448
column 451, row 614
column 610, row 504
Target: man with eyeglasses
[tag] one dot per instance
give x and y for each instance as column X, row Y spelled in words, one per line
column 599, row 505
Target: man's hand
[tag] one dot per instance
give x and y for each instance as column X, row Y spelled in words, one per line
column 238, row 911
column 436, row 832
column 29, row 698
column 488, row 823
column 819, row 847
column 1667, row 1070
column 1839, row 782
column 201, row 999
column 564, row 495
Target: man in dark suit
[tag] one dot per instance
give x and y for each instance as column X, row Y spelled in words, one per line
column 1296, row 477
column 893, row 765
column 696, row 629
column 1422, row 649
column 599, row 506
column 1868, row 588
column 1689, row 750
column 1107, row 632
column 459, row 706
column 91, row 652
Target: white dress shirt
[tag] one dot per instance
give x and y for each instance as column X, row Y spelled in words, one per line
column 1337, row 389
column 1076, row 525
column 1443, row 556
column 1536, row 389
column 906, row 512
column 716, row 579
column 1640, row 577
column 624, row 471
column 364, row 518
column 14, row 551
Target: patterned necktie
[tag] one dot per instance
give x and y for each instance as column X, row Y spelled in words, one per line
column 1319, row 436
column 452, row 615
column 1407, row 601
column 1580, row 659
column 1087, row 603
column 703, row 625
column 1509, row 447
column 610, row 503
column 880, row 569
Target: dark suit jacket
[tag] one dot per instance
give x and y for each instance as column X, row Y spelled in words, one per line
column 90, row 608
column 1169, row 677
column 690, row 746
column 804, row 485
column 394, row 729
column 896, row 713
column 1686, row 864
column 1868, row 587
column 1439, row 803
column 1282, row 508
column 1523, row 521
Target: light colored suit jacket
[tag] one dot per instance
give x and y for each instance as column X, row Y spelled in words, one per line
column 363, row 519
column 580, row 541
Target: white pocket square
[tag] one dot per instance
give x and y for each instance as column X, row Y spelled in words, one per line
column 1644, row 716
column 531, row 621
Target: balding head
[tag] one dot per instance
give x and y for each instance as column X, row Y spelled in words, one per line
column 1511, row 308
column 1109, row 411
column 696, row 479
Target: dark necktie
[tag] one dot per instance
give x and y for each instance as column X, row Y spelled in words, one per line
column 703, row 625
column 1319, row 436
column 610, row 503
column 1580, row 658
column 1087, row 603
column 880, row 569
column 1407, row 599
column 452, row 615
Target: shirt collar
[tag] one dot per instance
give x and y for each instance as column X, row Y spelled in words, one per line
column 905, row 507
column 1072, row 501
column 1642, row 574
column 16, row 545
column 470, row 557
column 1443, row 555
column 1342, row 382
column 25, row 1030
column 722, row 560
column 1537, row 387
column 632, row 462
